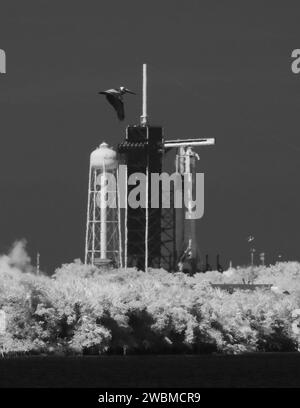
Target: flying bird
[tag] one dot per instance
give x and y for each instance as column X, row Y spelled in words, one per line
column 115, row 98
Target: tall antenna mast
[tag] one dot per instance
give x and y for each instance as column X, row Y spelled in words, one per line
column 144, row 117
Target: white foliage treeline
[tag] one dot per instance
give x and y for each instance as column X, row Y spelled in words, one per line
column 81, row 310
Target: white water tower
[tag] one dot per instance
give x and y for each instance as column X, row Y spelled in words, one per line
column 102, row 243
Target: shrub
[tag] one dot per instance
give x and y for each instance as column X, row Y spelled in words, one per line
column 83, row 310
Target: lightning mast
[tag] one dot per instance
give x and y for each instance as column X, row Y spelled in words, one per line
column 144, row 117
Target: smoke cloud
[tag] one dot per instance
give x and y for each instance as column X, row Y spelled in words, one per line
column 17, row 258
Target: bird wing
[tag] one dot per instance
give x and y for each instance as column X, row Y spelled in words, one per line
column 110, row 91
column 117, row 103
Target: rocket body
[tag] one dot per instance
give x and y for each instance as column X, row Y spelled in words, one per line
column 189, row 259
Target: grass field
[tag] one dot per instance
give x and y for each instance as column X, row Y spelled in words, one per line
column 252, row 370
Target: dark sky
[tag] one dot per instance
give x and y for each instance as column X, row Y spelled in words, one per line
column 217, row 69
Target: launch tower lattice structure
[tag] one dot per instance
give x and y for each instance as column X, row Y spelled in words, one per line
column 142, row 154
